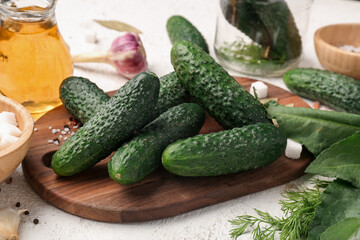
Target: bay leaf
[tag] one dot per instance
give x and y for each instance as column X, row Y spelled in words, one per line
column 340, row 200
column 315, row 129
column 347, row 229
column 341, row 160
column 118, row 26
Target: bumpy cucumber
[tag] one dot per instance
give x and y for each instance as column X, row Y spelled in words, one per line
column 334, row 90
column 179, row 28
column 142, row 155
column 82, row 98
column 230, row 151
column 213, row 88
column 126, row 112
column 171, row 93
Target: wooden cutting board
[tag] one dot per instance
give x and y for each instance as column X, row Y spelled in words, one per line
column 93, row 195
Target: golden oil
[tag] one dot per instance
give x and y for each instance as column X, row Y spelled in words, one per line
column 34, row 60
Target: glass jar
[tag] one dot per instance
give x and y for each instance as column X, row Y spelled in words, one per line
column 34, row 58
column 261, row 37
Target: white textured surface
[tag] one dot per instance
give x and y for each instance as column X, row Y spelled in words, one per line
column 260, row 88
column 78, row 29
column 293, row 149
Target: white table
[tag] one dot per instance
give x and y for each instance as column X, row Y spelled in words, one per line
column 75, row 20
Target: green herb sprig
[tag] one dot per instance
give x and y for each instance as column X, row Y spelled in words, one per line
column 298, row 207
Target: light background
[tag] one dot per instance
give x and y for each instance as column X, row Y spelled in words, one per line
column 75, row 20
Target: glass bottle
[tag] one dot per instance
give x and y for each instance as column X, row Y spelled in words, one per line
column 34, row 58
column 261, row 37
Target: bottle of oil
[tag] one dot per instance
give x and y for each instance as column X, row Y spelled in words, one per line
column 34, row 58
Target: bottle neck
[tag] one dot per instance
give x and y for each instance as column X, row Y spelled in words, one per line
column 28, row 19
column 27, row 12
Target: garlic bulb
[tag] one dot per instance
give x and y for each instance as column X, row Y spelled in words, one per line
column 9, row 223
column 126, row 54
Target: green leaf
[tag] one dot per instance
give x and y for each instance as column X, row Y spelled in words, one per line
column 347, row 229
column 341, row 160
column 118, row 26
column 316, row 129
column 340, row 200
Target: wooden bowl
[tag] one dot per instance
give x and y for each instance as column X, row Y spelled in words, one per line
column 12, row 156
column 327, row 41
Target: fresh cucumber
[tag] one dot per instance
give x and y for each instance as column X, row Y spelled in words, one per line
column 213, row 88
column 179, row 28
column 337, row 91
column 126, row 112
column 230, row 151
column 82, row 98
column 171, row 93
column 142, row 154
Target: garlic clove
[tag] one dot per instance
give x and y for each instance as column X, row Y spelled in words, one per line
column 9, row 223
column 128, row 56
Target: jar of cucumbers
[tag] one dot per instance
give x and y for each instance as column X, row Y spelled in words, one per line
column 261, row 37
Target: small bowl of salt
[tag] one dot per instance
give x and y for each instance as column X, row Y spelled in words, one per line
column 16, row 129
column 338, row 48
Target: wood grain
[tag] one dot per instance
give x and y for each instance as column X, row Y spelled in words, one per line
column 93, row 195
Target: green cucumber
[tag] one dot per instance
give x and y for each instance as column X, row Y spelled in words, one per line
column 269, row 23
column 179, row 28
column 214, row 89
column 82, row 98
column 243, row 16
column 278, row 20
column 126, row 112
column 171, row 93
column 337, row 91
column 142, row 155
column 229, row 151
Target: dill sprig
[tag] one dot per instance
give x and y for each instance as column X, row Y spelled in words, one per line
column 298, row 207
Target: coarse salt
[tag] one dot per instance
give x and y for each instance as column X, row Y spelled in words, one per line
column 8, row 117
column 260, row 88
column 9, row 129
column 350, row 48
column 7, row 141
column 293, row 149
